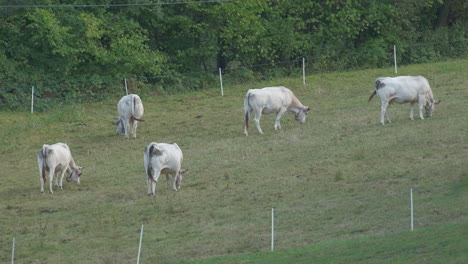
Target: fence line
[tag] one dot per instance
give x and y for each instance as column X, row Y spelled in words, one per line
column 308, row 58
column 412, row 215
column 221, row 82
column 139, row 247
column 402, row 194
column 32, row 100
column 272, row 229
column 13, row 251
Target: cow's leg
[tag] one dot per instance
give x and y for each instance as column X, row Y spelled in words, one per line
column 134, row 127
column 258, row 115
column 61, row 178
column 388, row 118
column 174, row 180
column 40, row 177
column 411, row 111
column 149, row 181
column 157, row 173
column 51, row 178
column 421, row 105
column 42, row 184
column 278, row 117
column 383, row 112
column 126, row 128
column 56, row 179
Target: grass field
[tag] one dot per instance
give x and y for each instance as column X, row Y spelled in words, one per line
column 339, row 183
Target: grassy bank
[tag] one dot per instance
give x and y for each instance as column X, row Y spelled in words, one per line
column 341, row 179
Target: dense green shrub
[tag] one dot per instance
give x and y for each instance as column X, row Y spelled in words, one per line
column 85, row 53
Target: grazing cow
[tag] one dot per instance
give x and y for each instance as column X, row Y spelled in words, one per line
column 404, row 89
column 269, row 100
column 162, row 158
column 57, row 158
column 130, row 110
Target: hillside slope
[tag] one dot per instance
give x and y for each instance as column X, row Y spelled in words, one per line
column 341, row 176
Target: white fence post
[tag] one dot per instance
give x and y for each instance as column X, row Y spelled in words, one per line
column 272, row 229
column 412, row 212
column 13, row 252
column 221, row 81
column 139, row 247
column 126, row 89
column 394, row 57
column 303, row 70
column 32, row 100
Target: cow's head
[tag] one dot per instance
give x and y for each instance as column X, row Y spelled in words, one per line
column 430, row 105
column 302, row 114
column 179, row 178
column 120, row 126
column 74, row 176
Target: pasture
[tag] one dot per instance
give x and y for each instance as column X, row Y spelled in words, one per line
column 341, row 179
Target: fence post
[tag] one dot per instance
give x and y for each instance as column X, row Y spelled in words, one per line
column 13, row 252
column 272, row 228
column 303, row 70
column 412, row 212
column 394, row 57
column 126, row 89
column 32, row 100
column 139, row 247
column 221, row 81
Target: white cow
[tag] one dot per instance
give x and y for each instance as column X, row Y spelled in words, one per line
column 404, row 89
column 57, row 158
column 162, row 158
column 130, row 110
column 269, row 100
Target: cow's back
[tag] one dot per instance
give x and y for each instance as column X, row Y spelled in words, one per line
column 402, row 88
column 271, row 97
column 57, row 154
column 126, row 103
column 169, row 156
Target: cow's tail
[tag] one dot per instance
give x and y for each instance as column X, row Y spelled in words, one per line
column 247, row 110
column 43, row 156
column 378, row 84
column 372, row 95
column 133, row 110
column 148, row 153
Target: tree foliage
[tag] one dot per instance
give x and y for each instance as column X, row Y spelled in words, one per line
column 81, row 51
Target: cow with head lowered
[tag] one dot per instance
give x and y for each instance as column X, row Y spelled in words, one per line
column 162, row 158
column 268, row 100
column 57, row 160
column 130, row 110
column 404, row 89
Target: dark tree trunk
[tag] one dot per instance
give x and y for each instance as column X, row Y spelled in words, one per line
column 443, row 15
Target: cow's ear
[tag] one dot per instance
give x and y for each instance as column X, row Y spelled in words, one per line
column 437, row 102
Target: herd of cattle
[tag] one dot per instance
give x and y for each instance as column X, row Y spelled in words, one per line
column 162, row 158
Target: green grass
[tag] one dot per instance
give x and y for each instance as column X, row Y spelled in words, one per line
column 432, row 245
column 339, row 183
